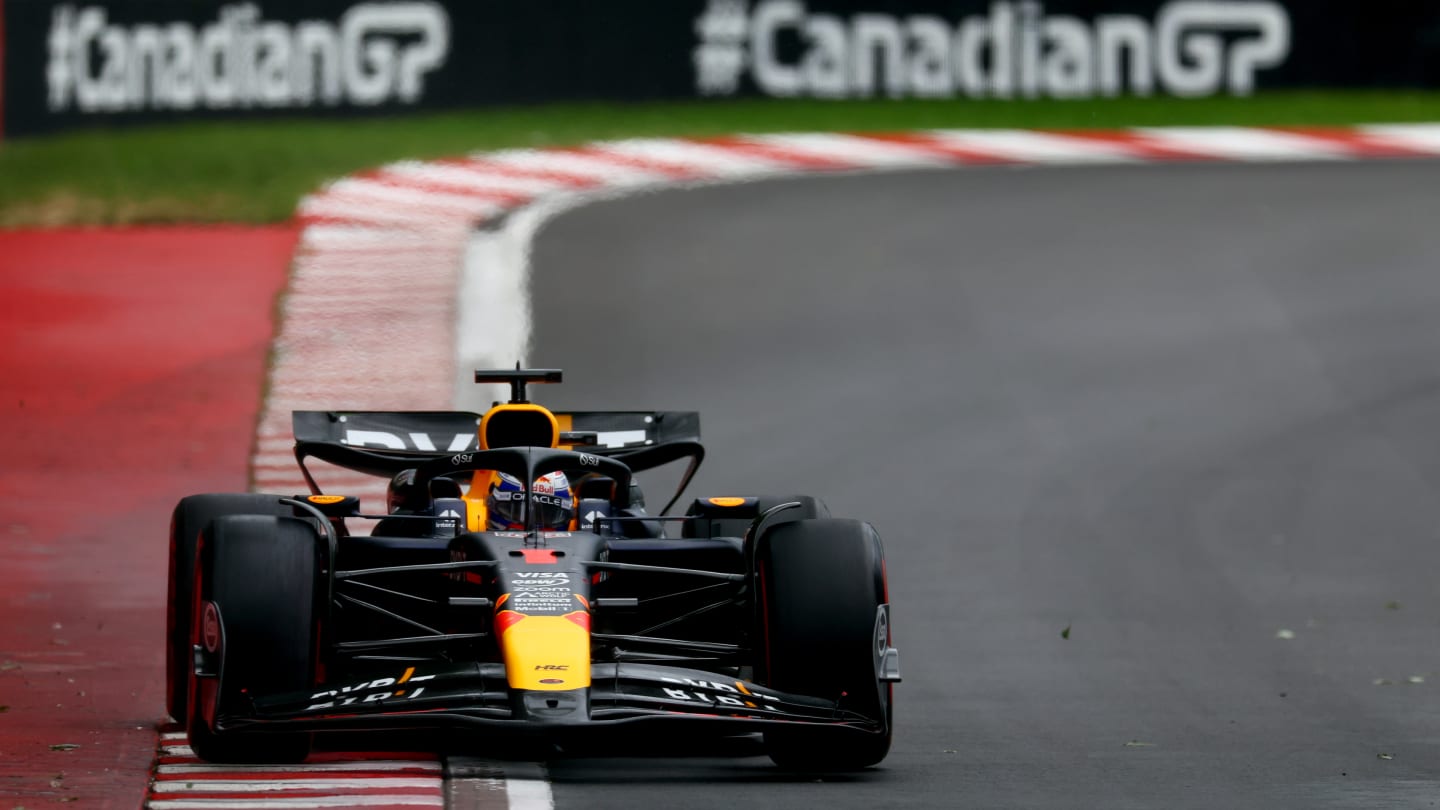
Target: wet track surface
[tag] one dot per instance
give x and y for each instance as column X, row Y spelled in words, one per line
column 130, row 370
column 1177, row 409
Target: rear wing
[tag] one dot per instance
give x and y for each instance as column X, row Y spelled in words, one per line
column 384, row 443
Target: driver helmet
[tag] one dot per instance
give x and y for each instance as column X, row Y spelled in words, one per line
column 550, row 496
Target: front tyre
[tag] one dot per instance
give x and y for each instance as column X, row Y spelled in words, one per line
column 822, row 599
column 191, row 516
column 259, row 574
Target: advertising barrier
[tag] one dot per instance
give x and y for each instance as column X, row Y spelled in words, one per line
column 73, row 63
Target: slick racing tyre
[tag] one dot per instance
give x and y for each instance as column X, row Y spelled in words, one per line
column 258, row 576
column 191, row 515
column 821, row 589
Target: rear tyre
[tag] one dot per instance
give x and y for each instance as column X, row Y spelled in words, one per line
column 821, row 586
column 192, row 515
column 261, row 574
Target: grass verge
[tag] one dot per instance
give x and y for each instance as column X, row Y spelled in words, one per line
column 254, row 171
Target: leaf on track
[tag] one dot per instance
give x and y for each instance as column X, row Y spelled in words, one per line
column 1065, row 634
column 1285, row 634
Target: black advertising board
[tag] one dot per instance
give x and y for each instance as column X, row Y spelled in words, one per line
column 1060, row 48
column 69, row 64
column 74, row 64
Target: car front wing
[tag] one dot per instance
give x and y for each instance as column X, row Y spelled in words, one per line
column 426, row 696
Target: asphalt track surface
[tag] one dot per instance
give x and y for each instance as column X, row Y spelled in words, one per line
column 1184, row 411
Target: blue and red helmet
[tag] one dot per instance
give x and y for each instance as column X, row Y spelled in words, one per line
column 550, row 496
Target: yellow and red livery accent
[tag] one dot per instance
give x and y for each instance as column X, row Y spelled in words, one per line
column 545, row 653
column 519, row 424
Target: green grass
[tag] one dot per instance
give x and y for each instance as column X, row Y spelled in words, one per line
column 255, row 171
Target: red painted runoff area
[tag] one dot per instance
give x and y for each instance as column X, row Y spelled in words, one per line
column 131, row 364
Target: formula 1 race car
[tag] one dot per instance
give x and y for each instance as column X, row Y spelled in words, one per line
column 746, row 614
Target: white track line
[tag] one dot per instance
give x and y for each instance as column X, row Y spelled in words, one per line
column 527, row 786
column 481, row 784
